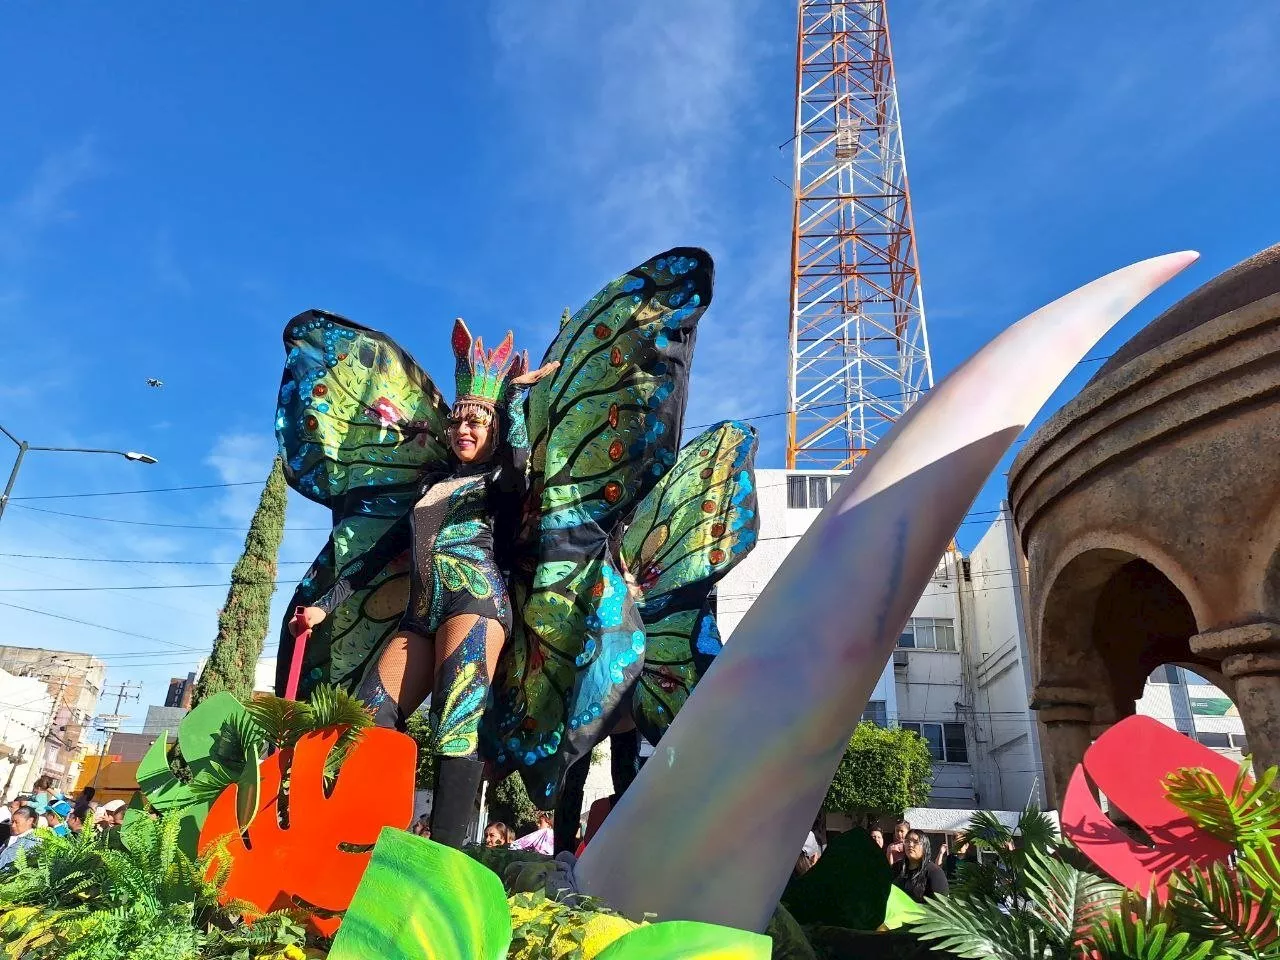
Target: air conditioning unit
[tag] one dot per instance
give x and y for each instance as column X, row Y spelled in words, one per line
column 901, row 658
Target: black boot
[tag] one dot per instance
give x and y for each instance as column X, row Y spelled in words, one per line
column 453, row 802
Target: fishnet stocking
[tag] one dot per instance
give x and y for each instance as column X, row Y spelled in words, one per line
column 407, row 669
column 408, row 665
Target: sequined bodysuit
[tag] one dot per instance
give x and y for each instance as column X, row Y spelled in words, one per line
column 451, row 533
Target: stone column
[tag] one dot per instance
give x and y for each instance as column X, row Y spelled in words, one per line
column 1066, row 717
column 1250, row 657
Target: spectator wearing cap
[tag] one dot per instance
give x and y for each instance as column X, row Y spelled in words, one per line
column 56, row 817
column 23, row 838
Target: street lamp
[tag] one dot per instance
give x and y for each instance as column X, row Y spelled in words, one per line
column 24, row 447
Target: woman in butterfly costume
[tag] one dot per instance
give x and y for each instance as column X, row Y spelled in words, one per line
column 547, row 590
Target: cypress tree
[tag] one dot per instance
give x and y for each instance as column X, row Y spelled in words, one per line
column 246, row 616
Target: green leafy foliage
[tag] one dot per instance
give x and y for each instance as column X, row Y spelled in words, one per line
column 1029, row 903
column 510, row 803
column 1023, row 902
column 1142, row 930
column 134, row 895
column 1247, row 816
column 997, row 874
column 1213, row 905
column 420, row 727
column 883, row 771
column 245, row 618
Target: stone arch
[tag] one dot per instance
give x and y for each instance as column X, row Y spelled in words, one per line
column 1109, row 615
column 1114, row 542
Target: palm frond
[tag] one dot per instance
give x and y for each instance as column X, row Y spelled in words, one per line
column 976, row 929
column 1068, row 900
column 1215, row 905
column 1246, row 816
column 333, row 707
column 281, row 721
column 1141, row 930
column 1037, row 829
column 986, row 832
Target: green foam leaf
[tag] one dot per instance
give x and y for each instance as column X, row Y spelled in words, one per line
column 419, row 900
column 687, row 940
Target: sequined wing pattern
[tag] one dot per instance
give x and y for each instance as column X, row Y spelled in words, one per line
column 357, row 421
column 693, row 528
column 606, row 426
column 603, row 430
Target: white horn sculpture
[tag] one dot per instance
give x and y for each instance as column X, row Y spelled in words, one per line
column 711, row 828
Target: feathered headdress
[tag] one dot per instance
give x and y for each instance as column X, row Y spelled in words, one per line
column 481, row 376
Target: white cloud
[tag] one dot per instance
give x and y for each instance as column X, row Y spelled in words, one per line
column 241, row 458
column 638, row 118
column 45, row 198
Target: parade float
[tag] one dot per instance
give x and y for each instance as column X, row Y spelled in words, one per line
column 278, row 828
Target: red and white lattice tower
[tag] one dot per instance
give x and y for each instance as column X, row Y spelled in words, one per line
column 859, row 351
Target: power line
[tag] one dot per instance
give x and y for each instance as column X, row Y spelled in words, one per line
column 193, row 563
column 98, row 626
column 148, row 586
column 150, row 523
column 129, row 493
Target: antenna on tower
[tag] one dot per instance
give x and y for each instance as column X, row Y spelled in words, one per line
column 858, row 346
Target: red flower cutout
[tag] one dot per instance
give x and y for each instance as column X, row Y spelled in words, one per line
column 317, row 861
column 1129, row 764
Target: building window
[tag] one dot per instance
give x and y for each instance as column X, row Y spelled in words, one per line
column 946, row 741
column 797, row 490
column 817, row 491
column 1239, row 742
column 876, row 713
column 811, row 493
column 929, row 633
column 1218, row 741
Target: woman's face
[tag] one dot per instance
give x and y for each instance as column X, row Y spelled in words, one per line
column 913, row 847
column 493, row 837
column 471, row 437
column 878, row 837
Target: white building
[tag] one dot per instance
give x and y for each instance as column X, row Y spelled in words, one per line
column 26, row 710
column 1195, row 708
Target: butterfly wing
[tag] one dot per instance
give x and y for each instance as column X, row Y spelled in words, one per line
column 357, row 422
column 606, row 425
column 603, row 429
column 693, row 528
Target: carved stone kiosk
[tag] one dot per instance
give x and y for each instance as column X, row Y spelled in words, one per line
column 1149, row 512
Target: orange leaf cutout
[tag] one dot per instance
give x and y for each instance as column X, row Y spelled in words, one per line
column 1129, row 763
column 305, row 865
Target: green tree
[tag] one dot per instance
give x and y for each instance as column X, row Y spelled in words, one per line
column 510, row 803
column 883, row 771
column 419, row 727
column 246, row 616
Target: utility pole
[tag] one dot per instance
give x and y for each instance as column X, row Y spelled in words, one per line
column 37, row 766
column 110, row 722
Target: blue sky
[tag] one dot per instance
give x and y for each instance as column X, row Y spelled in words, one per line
column 177, row 181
